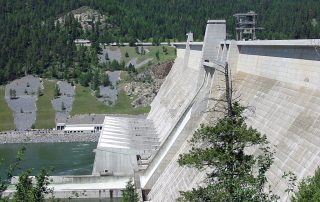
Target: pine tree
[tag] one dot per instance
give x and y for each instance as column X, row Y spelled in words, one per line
column 158, row 56
column 26, row 190
column 105, row 80
column 130, row 194
column 106, row 56
column 13, row 94
column 221, row 149
column 57, row 92
column 97, row 93
column 309, row 189
column 96, row 80
column 63, row 107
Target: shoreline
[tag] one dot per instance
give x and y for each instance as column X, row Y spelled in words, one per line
column 16, row 137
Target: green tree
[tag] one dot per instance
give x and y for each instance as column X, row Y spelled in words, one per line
column 130, row 194
column 27, row 191
column 97, row 93
column 4, row 182
column 106, row 56
column 105, row 80
column 126, row 54
column 309, row 189
column 84, row 79
column 234, row 174
column 131, row 68
column 57, row 92
column 114, row 65
column 157, row 55
column 13, row 94
column 165, row 50
column 63, row 107
column 122, row 65
column 221, row 149
column 96, row 80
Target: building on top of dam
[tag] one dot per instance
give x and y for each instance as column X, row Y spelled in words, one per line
column 279, row 78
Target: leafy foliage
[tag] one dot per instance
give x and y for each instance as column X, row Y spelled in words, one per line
column 33, row 41
column 130, row 194
column 12, row 168
column 26, row 191
column 309, row 189
column 233, row 173
column 57, row 92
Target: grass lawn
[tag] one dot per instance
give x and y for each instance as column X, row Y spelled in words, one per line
column 45, row 112
column 85, row 103
column 152, row 54
column 6, row 114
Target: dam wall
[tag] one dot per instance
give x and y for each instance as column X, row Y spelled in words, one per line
column 197, row 86
column 280, row 81
column 290, row 61
column 176, row 93
column 189, row 121
column 174, row 115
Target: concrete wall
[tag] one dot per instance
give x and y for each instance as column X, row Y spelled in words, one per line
column 290, row 117
column 171, row 109
column 281, row 61
column 280, row 79
column 164, row 175
column 84, row 186
column 175, row 93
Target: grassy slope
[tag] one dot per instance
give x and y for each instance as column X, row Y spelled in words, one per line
column 6, row 114
column 152, row 54
column 45, row 112
column 85, row 103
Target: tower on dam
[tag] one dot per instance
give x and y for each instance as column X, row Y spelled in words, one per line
column 246, row 26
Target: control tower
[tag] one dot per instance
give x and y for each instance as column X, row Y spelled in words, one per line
column 246, row 26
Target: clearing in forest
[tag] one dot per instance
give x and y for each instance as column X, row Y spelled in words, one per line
column 86, row 103
column 45, row 112
column 6, row 114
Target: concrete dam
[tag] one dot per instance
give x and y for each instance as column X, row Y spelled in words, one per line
column 280, row 79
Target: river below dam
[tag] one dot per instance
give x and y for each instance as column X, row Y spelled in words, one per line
column 64, row 158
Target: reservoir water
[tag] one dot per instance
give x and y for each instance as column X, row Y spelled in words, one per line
column 64, row 158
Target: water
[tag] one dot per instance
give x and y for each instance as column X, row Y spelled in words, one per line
column 64, row 158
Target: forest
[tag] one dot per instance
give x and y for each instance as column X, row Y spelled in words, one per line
column 33, row 42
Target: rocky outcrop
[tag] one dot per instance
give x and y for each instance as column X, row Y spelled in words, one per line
column 146, row 84
column 86, row 16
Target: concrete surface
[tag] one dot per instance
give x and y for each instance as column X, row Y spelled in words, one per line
column 279, row 79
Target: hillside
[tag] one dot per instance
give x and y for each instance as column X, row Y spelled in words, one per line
column 32, row 43
column 125, row 83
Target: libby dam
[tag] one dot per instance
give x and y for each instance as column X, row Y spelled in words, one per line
column 280, row 79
